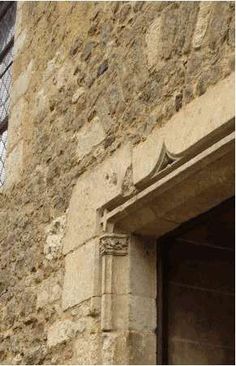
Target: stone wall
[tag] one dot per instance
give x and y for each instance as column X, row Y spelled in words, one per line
column 88, row 79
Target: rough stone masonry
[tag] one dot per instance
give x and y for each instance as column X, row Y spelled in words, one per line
column 89, row 77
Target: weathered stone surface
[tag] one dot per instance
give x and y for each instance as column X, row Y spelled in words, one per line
column 19, row 43
column 120, row 306
column 202, row 23
column 78, row 94
column 89, row 137
column 18, row 23
column 151, row 149
column 142, row 267
column 82, row 217
column 142, row 313
column 79, row 267
column 54, row 236
column 114, row 62
column 206, row 114
column 49, row 290
column 142, row 348
column 14, row 164
column 153, row 40
column 194, row 122
column 114, row 348
column 60, row 332
column 20, row 86
column 87, row 349
column 42, row 105
column 15, row 123
column 102, row 68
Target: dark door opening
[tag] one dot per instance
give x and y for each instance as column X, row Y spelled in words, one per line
column 195, row 301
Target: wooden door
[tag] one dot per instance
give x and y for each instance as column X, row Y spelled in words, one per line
column 196, row 290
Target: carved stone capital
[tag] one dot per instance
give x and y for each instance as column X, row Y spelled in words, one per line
column 113, row 244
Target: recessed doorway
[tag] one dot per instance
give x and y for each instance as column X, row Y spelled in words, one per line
column 195, row 299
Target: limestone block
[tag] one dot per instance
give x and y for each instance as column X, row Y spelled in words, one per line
column 54, row 65
column 59, row 332
column 142, row 313
column 202, row 23
column 15, row 123
column 21, row 84
column 77, row 95
column 200, row 118
column 114, row 312
column 63, row 74
column 14, row 164
column 129, row 348
column 114, row 348
column 89, row 137
column 142, row 348
column 80, row 270
column 152, row 41
column 197, row 120
column 87, row 349
column 19, row 43
column 142, row 219
column 86, row 324
column 142, row 267
column 147, row 155
column 54, row 235
column 49, row 290
column 41, row 106
column 120, row 312
column 93, row 190
column 19, row 23
column 120, row 275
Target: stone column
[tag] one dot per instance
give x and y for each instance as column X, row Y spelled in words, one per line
column 114, row 304
column 113, row 250
column 128, row 304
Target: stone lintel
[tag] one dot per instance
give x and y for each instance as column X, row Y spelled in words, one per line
column 192, row 188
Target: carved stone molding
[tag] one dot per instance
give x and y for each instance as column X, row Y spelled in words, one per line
column 111, row 247
column 113, row 244
column 194, row 187
column 165, row 160
column 196, row 127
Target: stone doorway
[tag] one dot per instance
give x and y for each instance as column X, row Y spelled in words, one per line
column 196, row 274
